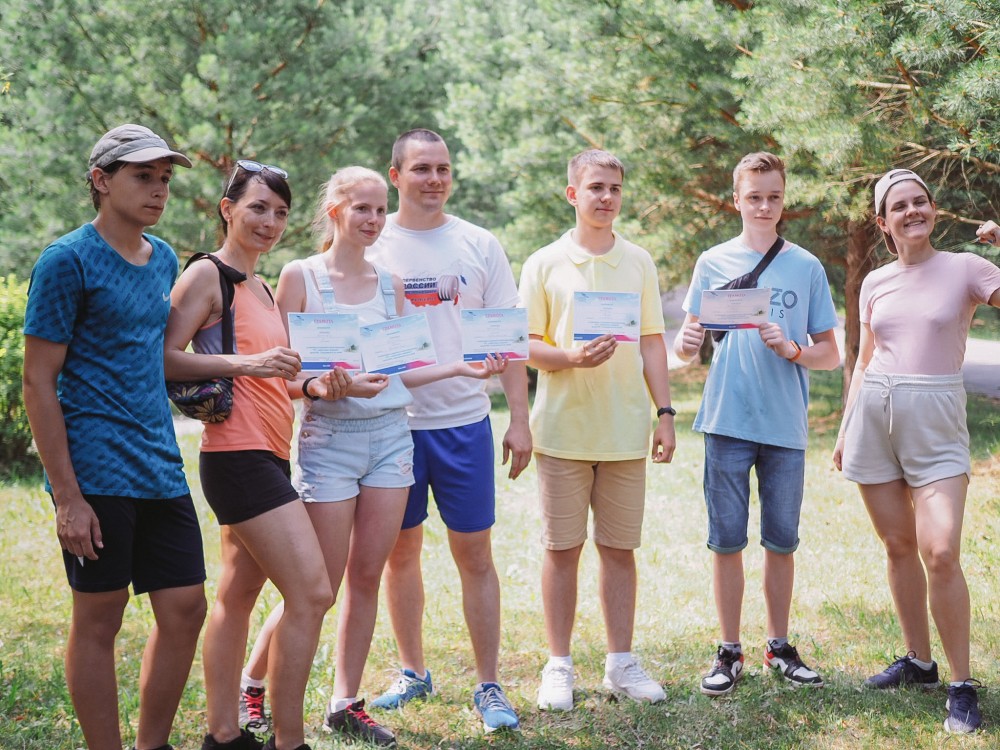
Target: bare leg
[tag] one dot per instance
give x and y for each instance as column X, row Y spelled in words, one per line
column 728, row 583
column 559, row 582
column 256, row 667
column 891, row 511
column 404, row 586
column 779, row 579
column 90, row 665
column 377, row 518
column 473, row 554
column 618, row 590
column 166, row 661
column 282, row 545
column 939, row 508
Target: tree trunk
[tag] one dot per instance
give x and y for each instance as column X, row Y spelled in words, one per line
column 860, row 260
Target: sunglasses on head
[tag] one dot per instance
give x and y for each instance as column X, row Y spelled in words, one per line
column 254, row 166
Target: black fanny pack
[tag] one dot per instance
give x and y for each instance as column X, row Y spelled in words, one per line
column 749, row 280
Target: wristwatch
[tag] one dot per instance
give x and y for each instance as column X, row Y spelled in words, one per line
column 666, row 410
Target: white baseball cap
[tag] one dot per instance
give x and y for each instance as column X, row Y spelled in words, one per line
column 889, row 179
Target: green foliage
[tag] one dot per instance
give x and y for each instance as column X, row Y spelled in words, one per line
column 15, row 433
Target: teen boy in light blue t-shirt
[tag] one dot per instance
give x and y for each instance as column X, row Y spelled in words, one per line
column 753, row 415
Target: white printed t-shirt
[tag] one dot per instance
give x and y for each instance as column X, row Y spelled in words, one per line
column 457, row 265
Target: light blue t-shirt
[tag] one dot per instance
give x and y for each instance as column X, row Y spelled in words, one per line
column 112, row 316
column 752, row 393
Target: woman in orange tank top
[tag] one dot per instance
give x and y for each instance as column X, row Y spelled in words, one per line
column 244, row 463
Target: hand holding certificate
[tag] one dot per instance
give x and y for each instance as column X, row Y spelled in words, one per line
column 729, row 309
column 599, row 313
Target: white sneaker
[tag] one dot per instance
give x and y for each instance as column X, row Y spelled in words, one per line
column 556, row 691
column 630, row 679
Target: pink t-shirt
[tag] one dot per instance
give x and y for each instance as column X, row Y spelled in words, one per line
column 920, row 315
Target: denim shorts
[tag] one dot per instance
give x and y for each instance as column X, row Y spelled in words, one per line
column 780, row 476
column 457, row 464
column 338, row 456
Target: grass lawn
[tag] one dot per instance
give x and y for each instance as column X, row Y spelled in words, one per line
column 842, row 621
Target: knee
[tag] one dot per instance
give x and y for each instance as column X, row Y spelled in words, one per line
column 941, row 561
column 476, row 563
column 900, row 546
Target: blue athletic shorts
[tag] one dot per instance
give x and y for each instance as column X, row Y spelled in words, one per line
column 456, row 463
column 780, row 477
column 152, row 544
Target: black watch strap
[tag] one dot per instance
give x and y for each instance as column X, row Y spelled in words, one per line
column 305, row 392
column 666, row 410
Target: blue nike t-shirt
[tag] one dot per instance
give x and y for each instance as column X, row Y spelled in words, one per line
column 752, row 393
column 111, row 314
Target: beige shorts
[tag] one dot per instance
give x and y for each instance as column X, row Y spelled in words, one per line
column 616, row 490
column 909, row 427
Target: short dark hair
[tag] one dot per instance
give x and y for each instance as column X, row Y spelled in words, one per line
column 239, row 180
column 95, row 196
column 417, row 134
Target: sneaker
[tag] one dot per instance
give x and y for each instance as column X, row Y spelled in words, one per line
column 161, row 747
column 903, row 673
column 245, row 741
column 556, row 691
column 630, row 679
column 252, row 717
column 786, row 659
column 494, row 708
column 271, row 745
column 354, row 722
column 727, row 669
column 963, row 708
column 406, row 688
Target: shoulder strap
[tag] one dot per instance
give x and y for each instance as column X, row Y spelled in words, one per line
column 321, row 278
column 228, row 278
column 388, row 292
column 770, row 255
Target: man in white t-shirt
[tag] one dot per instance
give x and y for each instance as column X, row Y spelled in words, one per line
column 448, row 264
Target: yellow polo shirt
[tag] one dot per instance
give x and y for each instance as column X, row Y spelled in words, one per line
column 601, row 413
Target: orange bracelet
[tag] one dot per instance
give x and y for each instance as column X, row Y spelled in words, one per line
column 798, row 351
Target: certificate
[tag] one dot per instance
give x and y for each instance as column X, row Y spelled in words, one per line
column 727, row 309
column 398, row 345
column 599, row 313
column 325, row 341
column 494, row 331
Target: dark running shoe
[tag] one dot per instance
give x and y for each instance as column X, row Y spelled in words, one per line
column 354, row 722
column 903, row 673
column 786, row 660
column 726, row 672
column 252, row 716
column 963, row 708
column 245, row 741
column 272, row 746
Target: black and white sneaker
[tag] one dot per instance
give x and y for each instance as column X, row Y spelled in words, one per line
column 904, row 673
column 726, row 672
column 786, row 659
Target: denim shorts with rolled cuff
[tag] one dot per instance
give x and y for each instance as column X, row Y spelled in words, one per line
column 780, row 477
column 338, row 456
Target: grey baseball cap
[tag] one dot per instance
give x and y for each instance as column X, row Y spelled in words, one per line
column 889, row 179
column 135, row 144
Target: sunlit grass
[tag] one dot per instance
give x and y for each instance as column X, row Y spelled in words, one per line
column 842, row 621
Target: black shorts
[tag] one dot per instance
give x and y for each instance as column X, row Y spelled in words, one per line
column 153, row 544
column 240, row 485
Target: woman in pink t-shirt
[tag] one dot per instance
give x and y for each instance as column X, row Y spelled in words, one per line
column 904, row 438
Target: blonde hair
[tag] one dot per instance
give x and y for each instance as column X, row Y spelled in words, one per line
column 759, row 162
column 593, row 157
column 335, row 191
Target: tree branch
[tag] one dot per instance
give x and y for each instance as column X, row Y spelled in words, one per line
column 984, row 166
